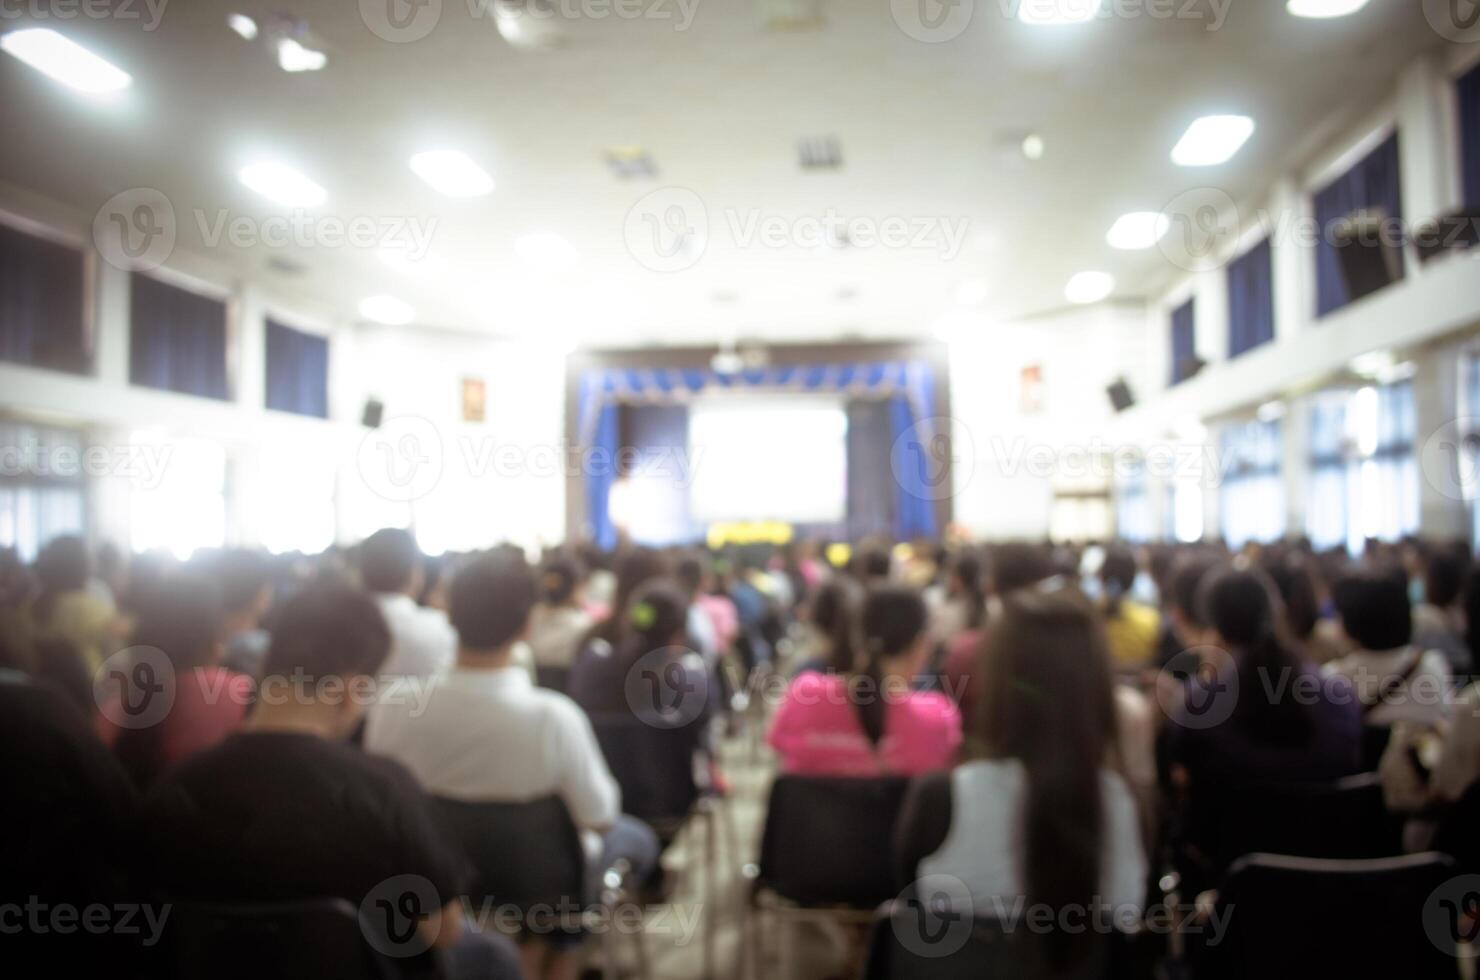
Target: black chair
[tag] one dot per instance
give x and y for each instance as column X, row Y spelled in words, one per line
column 552, row 678
column 826, row 852
column 1295, row 918
column 907, row 943
column 528, row 856
column 1375, row 740
column 1457, row 834
column 310, row 939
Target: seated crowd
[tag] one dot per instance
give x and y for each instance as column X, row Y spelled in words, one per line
column 1076, row 723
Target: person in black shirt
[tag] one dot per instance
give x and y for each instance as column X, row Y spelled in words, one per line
column 284, row 809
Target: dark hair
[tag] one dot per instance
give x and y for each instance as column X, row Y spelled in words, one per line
column 183, row 617
column 1017, row 565
column 62, row 566
column 242, row 575
column 874, row 562
column 893, row 617
column 656, row 616
column 833, row 608
column 559, row 577
column 490, row 600
column 1242, row 606
column 1118, row 574
column 1374, row 609
column 1444, row 576
column 1186, row 578
column 689, row 573
column 328, row 631
column 967, row 569
column 388, row 560
column 633, row 568
column 1047, row 701
column 1292, row 576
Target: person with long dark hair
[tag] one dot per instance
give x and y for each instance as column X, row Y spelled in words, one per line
column 653, row 625
column 869, row 721
column 829, row 615
column 1041, row 812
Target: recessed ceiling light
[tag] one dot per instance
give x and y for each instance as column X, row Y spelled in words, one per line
column 972, row 292
column 545, row 248
column 245, row 26
column 294, row 57
column 1033, row 146
column 1056, row 12
column 66, row 61
column 452, row 172
column 1212, row 140
column 387, row 310
column 1323, row 9
column 281, row 183
column 1089, row 287
column 1139, row 229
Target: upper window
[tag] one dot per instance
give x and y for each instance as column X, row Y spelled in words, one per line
column 1469, row 135
column 177, row 339
column 1370, row 188
column 1184, row 343
column 1250, row 300
column 41, row 321
column 297, row 371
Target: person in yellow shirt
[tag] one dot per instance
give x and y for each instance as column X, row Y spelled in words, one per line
column 1131, row 628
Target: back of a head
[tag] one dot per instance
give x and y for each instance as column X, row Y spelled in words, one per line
column 1374, row 609
column 891, row 620
column 388, row 560
column 1018, row 565
column 1239, row 604
column 833, row 608
column 656, row 617
column 1444, row 576
column 636, row 566
column 183, row 618
column 328, row 631
column 1186, row 577
column 1118, row 574
column 63, row 565
column 559, row 577
column 490, row 600
column 875, row 564
column 1292, row 576
column 689, row 572
column 242, row 576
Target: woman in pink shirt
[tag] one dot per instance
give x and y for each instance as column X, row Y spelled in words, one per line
column 870, row 722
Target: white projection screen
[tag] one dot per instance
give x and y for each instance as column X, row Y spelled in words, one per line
column 769, row 457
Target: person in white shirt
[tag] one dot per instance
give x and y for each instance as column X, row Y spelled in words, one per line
column 422, row 640
column 558, row 623
column 1394, row 680
column 486, row 733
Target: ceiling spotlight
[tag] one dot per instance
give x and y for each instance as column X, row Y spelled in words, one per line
column 1137, row 230
column 1033, row 146
column 1053, row 13
column 244, row 26
column 1089, row 287
column 66, row 61
column 387, row 310
column 1324, row 9
column 452, row 172
column 1212, row 140
column 294, row 57
column 281, row 183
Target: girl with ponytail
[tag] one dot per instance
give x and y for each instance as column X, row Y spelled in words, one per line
column 869, row 721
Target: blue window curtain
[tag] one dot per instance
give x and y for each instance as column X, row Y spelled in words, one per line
column 1251, row 300
column 1370, row 185
column 1325, row 515
column 43, row 489
column 1184, row 342
column 41, row 322
column 1252, row 494
column 1469, row 135
column 297, row 371
column 871, row 485
column 177, row 339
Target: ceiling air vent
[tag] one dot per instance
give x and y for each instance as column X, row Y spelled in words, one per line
column 630, row 163
column 820, row 153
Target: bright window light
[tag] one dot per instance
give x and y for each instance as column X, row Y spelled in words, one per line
column 281, row 183
column 545, row 248
column 66, row 61
column 294, row 57
column 1056, row 12
column 972, row 292
column 452, row 173
column 1323, row 9
column 1137, row 230
column 387, row 310
column 244, row 26
column 1212, row 140
column 1089, row 287
column 185, row 509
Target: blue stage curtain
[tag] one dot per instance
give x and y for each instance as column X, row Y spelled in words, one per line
column 41, row 321
column 1250, row 300
column 297, row 371
column 177, row 339
column 1371, row 184
column 1184, row 342
column 871, row 486
column 914, row 495
column 1469, row 135
column 599, row 464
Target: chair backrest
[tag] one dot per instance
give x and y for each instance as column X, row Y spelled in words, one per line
column 1292, row 917
column 908, row 944
column 654, row 766
column 1375, row 740
column 525, row 855
column 307, row 939
column 1343, row 819
column 552, row 678
column 830, row 841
